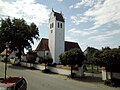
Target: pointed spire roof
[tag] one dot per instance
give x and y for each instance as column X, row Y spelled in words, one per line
column 59, row 16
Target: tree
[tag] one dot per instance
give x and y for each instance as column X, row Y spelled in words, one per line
column 31, row 57
column 72, row 57
column 109, row 58
column 46, row 60
column 18, row 34
column 89, row 57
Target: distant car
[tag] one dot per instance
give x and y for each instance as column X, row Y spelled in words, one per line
column 13, row 83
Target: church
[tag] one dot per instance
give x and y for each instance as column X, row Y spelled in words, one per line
column 55, row 44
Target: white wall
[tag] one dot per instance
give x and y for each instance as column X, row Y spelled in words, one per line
column 53, row 69
column 59, row 40
column 107, row 75
column 56, row 38
column 43, row 53
column 52, row 36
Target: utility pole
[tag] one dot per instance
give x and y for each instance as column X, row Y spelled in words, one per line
column 6, row 60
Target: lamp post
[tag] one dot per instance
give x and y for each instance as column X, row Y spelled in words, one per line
column 6, row 60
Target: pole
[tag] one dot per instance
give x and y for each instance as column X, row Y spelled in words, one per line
column 6, row 64
column 6, row 61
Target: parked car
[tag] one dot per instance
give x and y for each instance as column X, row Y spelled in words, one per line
column 13, row 83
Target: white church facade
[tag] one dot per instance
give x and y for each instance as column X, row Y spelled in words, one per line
column 55, row 44
column 56, row 35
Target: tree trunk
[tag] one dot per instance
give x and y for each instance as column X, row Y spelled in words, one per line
column 71, row 71
column 19, row 56
column 92, row 67
column 111, row 73
column 97, row 68
column 45, row 66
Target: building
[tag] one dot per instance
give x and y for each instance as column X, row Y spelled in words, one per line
column 56, row 44
column 43, row 47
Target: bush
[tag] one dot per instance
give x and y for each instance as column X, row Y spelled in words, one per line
column 108, row 82
column 71, row 76
column 54, row 64
column 46, row 71
column 112, row 83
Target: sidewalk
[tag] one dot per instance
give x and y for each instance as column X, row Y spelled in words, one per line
column 87, row 80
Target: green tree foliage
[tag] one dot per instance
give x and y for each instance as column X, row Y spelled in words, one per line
column 109, row 58
column 89, row 55
column 72, row 57
column 31, row 56
column 46, row 60
column 18, row 34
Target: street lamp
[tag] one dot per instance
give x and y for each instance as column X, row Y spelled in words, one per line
column 7, row 45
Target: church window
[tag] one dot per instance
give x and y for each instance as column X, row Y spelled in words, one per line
column 52, row 25
column 61, row 25
column 51, row 31
column 58, row 24
column 47, row 53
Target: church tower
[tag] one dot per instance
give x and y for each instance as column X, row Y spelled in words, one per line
column 56, row 35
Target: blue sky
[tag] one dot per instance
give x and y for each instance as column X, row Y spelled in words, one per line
column 94, row 23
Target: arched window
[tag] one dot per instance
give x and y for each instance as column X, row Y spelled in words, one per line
column 58, row 24
column 52, row 25
column 61, row 25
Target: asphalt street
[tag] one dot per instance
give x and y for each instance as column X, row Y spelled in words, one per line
column 36, row 80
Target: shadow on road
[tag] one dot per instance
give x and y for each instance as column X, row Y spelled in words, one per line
column 90, row 79
column 17, row 67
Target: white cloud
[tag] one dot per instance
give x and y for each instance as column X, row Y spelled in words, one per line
column 105, row 13
column 85, row 3
column 103, row 37
column 69, row 38
column 27, row 9
column 59, row 0
column 83, row 32
column 77, row 19
column 102, row 12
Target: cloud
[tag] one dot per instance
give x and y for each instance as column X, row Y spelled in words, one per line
column 102, row 12
column 59, row 0
column 83, row 32
column 30, row 10
column 105, row 13
column 87, row 3
column 69, row 38
column 103, row 37
column 77, row 19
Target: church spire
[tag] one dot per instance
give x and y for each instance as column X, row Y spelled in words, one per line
column 52, row 10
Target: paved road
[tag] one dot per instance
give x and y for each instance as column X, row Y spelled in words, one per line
column 40, row 81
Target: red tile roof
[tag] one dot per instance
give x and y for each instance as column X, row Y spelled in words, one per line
column 71, row 45
column 43, row 45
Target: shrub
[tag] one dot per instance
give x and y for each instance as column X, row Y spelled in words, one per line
column 112, row 83
column 108, row 82
column 54, row 64
column 46, row 71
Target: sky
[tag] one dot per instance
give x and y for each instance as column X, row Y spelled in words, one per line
column 93, row 23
